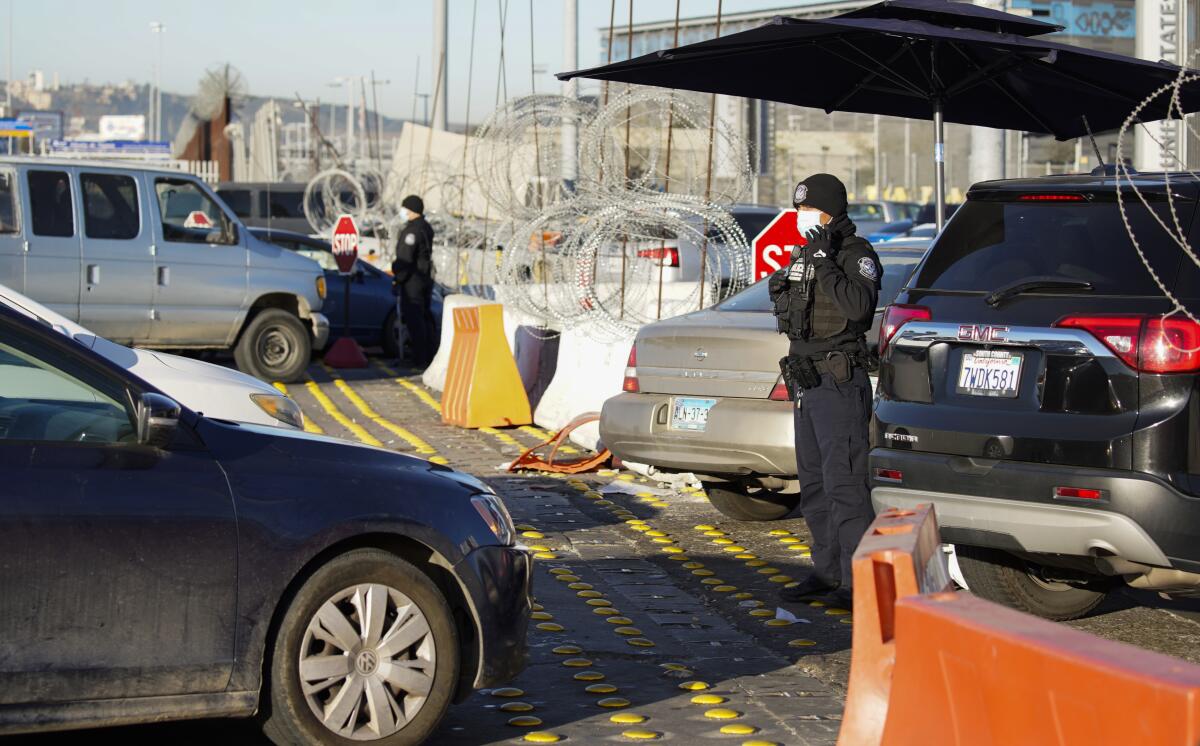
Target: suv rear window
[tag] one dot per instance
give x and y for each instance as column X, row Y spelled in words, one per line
column 991, row 244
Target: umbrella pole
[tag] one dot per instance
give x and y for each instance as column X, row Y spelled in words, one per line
column 939, row 164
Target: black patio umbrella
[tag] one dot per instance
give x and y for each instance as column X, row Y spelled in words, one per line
column 924, row 59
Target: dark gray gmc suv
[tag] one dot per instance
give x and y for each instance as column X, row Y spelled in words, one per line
column 1037, row 388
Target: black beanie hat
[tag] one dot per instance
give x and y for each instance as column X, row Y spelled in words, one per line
column 825, row 192
column 414, row 203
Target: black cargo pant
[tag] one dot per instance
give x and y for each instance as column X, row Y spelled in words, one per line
column 831, row 455
column 418, row 325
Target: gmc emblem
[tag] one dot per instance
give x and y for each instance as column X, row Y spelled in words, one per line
column 978, row 333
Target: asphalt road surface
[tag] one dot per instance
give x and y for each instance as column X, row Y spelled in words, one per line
column 659, row 617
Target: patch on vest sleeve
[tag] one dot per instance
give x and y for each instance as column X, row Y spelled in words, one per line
column 867, row 268
column 410, row 239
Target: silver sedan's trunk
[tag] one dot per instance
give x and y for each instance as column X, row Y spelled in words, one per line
column 711, row 353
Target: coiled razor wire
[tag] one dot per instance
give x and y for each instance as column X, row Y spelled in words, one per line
column 620, row 248
column 518, row 156
column 1125, row 175
column 594, row 262
column 624, row 148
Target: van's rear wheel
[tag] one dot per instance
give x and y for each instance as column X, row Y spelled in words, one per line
column 274, row 346
column 745, row 503
column 1005, row 579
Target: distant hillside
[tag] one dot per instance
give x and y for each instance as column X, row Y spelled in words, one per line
column 83, row 104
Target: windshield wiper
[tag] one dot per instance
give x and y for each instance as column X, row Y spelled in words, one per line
column 1024, row 285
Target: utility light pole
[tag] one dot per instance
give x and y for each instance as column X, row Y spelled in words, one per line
column 157, row 28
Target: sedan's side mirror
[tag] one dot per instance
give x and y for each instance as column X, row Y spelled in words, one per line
column 157, row 420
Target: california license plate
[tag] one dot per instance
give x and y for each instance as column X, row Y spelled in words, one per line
column 690, row 414
column 990, row 373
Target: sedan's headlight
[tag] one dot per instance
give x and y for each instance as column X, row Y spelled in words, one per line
column 281, row 408
column 496, row 516
column 321, row 287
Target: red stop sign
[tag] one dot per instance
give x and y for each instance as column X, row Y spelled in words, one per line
column 345, row 244
column 773, row 246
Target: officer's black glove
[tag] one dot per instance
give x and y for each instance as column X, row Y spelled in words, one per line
column 820, row 244
column 842, row 226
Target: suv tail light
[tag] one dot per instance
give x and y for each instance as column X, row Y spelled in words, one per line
column 630, row 383
column 1079, row 493
column 1052, row 198
column 896, row 316
column 1146, row 344
column 780, row 392
column 667, row 256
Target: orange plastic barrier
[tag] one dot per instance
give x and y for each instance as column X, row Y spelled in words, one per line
column 900, row 555
column 483, row 387
column 971, row 672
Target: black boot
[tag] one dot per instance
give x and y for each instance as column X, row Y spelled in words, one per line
column 840, row 598
column 810, row 588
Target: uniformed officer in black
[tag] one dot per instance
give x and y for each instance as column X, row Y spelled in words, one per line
column 824, row 301
column 412, row 280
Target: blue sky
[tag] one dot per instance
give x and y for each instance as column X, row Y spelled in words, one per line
column 282, row 46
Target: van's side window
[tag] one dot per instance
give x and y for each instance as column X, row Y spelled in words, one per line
column 51, row 204
column 238, row 201
column 9, row 222
column 110, row 206
column 189, row 215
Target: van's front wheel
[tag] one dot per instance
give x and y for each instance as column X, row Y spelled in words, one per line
column 274, row 346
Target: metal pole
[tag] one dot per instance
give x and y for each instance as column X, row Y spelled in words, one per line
column 939, row 164
column 570, row 135
column 8, row 110
column 158, row 117
column 439, row 56
column 878, row 162
column 908, row 171
column 349, row 117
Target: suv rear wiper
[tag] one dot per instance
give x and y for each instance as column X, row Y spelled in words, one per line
column 1001, row 294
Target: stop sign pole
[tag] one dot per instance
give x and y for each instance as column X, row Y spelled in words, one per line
column 773, row 245
column 345, row 352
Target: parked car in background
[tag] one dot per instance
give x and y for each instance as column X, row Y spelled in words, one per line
column 703, row 394
column 153, row 258
column 267, row 204
column 870, row 216
column 158, row 564
column 903, row 229
column 1038, row 389
column 681, row 258
column 211, row 390
column 372, row 304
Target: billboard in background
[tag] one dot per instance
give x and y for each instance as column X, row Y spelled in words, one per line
column 47, row 125
column 1109, row 20
column 112, row 148
column 123, row 127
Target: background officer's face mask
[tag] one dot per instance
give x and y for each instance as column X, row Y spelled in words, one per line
column 806, row 220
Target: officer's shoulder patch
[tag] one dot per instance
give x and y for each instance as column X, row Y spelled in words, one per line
column 867, row 268
column 410, row 239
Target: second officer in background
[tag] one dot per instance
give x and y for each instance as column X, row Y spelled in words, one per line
column 824, row 301
column 412, row 281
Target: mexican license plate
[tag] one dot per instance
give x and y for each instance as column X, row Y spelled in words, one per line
column 690, row 414
column 990, row 373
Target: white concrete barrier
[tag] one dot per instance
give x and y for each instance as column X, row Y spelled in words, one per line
column 435, row 375
column 588, row 373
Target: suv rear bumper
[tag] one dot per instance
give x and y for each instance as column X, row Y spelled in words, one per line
column 1011, row 505
column 743, row 436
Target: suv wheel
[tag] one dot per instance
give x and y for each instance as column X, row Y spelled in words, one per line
column 274, row 346
column 366, row 651
column 742, row 502
column 1005, row 579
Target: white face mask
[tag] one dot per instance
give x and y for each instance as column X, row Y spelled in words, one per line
column 404, row 213
column 806, row 220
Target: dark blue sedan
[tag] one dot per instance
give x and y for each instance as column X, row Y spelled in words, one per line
column 372, row 304
column 157, row 564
